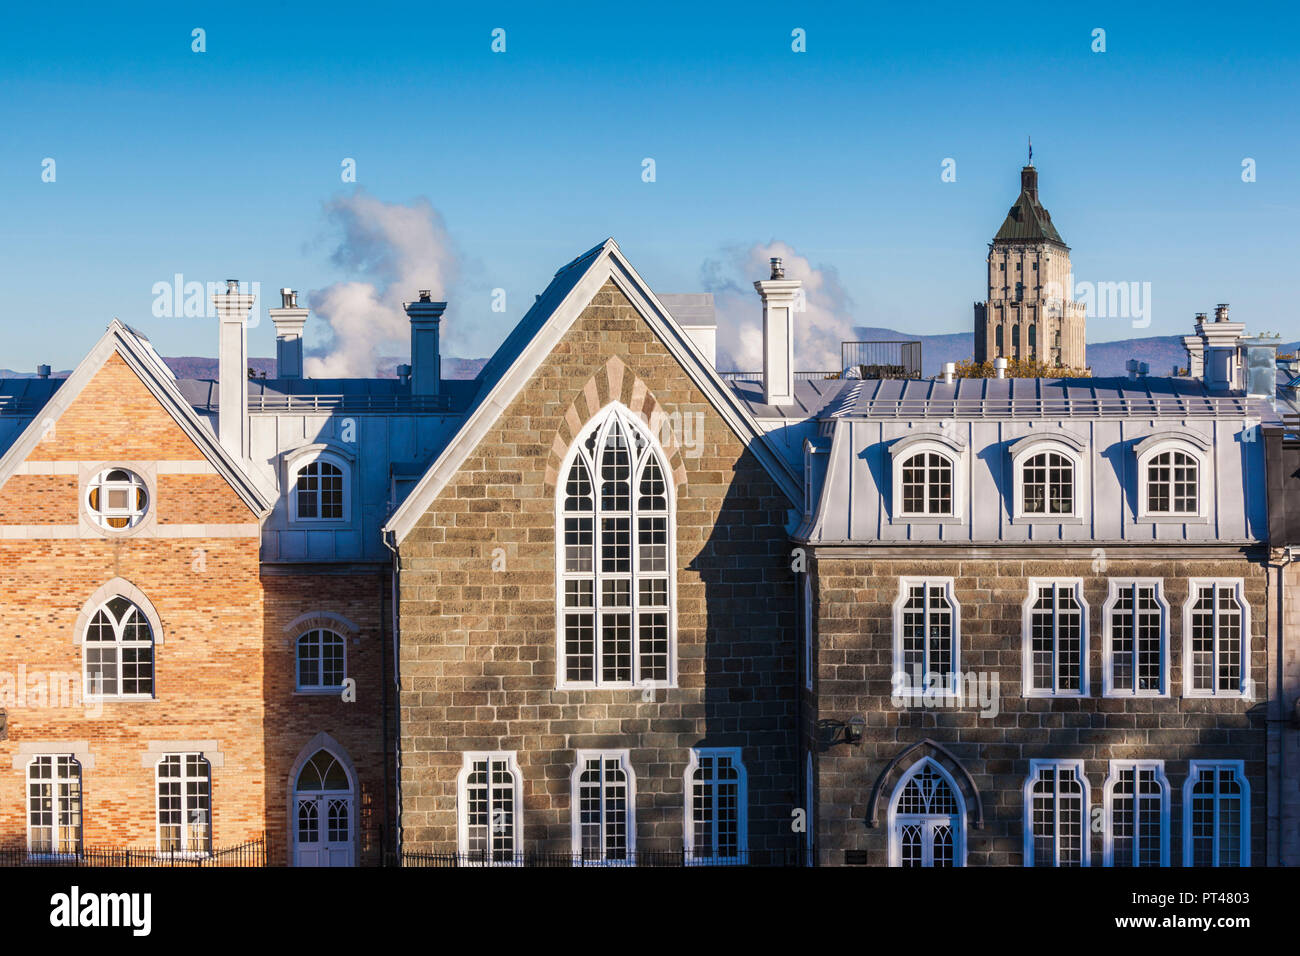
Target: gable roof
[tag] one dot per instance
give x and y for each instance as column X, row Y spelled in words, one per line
column 140, row 357
column 531, row 342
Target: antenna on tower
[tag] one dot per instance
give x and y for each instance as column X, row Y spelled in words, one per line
column 1031, row 151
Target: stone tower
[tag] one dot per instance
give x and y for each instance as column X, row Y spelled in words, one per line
column 1029, row 312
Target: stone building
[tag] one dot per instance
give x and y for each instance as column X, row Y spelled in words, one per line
column 1030, row 312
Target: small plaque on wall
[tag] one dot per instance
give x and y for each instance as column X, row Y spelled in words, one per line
column 4, row 724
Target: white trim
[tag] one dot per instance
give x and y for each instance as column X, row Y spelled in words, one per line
column 320, row 688
column 575, row 826
column 1239, row 586
column 1112, row 779
column 1107, row 654
column 117, row 587
column 742, row 804
column 298, row 459
column 1239, row 769
column 958, row 820
column 809, row 645
column 908, row 690
column 142, row 474
column 598, row 425
column 1027, row 448
column 37, row 748
column 469, row 758
column 1192, row 445
column 601, row 264
column 903, row 451
column 323, row 741
column 1026, row 638
column 54, row 782
column 89, row 689
column 185, row 817
column 1027, row 811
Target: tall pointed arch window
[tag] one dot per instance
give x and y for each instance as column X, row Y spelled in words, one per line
column 925, row 819
column 615, row 577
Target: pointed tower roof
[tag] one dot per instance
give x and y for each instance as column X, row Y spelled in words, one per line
column 1028, row 220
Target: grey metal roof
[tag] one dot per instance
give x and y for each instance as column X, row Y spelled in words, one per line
column 691, row 308
column 21, row 400
column 811, row 397
column 378, row 395
column 1022, row 398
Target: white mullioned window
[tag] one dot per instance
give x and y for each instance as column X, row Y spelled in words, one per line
column 1055, row 641
column 1216, row 638
column 490, row 804
column 604, row 807
column 322, row 660
column 117, row 499
column 1216, row 814
column 184, row 783
column 321, row 489
column 926, row 816
column 929, row 472
column 54, row 805
column 1050, row 477
column 927, row 629
column 716, row 806
column 615, row 540
column 1173, row 474
column 1137, row 814
column 1136, row 639
column 118, row 652
column 1056, row 814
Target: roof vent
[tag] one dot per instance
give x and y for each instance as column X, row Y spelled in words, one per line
column 1000, row 367
column 778, row 270
column 949, row 372
column 42, row 371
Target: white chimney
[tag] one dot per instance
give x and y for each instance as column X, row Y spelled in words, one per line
column 1219, row 341
column 233, row 309
column 288, row 321
column 1000, row 367
column 426, row 361
column 779, row 295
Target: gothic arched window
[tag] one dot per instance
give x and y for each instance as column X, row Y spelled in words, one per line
column 615, row 540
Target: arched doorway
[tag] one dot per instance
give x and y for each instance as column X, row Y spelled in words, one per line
column 927, row 818
column 323, row 812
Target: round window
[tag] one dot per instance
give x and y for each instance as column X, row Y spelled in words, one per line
column 117, row 499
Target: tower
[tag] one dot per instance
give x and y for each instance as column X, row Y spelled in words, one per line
column 1029, row 312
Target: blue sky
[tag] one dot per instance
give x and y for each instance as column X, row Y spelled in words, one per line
column 218, row 164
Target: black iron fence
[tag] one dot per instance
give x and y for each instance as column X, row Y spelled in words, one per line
column 882, row 359
column 640, row 858
column 251, row 854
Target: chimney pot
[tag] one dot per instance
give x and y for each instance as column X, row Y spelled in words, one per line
column 232, row 286
column 288, row 299
column 42, row 371
column 1000, row 367
column 778, row 270
column 404, row 373
column 1221, row 312
column 426, row 295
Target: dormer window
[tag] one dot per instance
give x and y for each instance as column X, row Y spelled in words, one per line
column 1173, row 471
column 1049, row 477
column 928, row 470
column 320, row 486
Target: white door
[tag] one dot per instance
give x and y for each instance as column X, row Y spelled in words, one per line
column 323, row 806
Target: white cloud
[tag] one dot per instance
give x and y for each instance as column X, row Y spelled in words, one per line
column 818, row 330
column 394, row 250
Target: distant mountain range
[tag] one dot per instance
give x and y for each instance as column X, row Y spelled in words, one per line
column 1162, row 353
column 202, row 367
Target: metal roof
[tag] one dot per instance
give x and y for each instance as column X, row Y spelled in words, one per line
column 811, row 396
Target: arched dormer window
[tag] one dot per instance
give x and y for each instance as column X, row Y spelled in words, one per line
column 1050, row 477
column 319, row 480
column 928, row 477
column 926, row 818
column 1173, row 475
column 615, row 548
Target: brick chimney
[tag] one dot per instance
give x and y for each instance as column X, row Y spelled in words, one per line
column 426, row 360
column 288, row 321
column 233, row 308
column 778, row 294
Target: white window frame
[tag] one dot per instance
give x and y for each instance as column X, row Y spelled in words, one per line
column 903, row 451
column 1239, row 769
column 1028, row 811
column 1025, row 449
column 635, row 426
column 1027, row 632
column 1115, row 586
column 55, row 781
column 809, row 650
column 186, row 823
column 1239, row 587
column 300, row 459
column 575, row 808
column 1157, row 444
column 462, row 806
column 810, row 791
column 959, row 823
column 951, row 688
column 1112, row 780
column 89, row 690
column 742, row 805
column 135, row 483
column 319, row 688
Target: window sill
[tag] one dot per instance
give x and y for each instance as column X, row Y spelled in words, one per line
column 634, row 687
column 1142, row 695
column 1047, row 519
column 926, row 519
column 1220, row 695
column 1054, row 695
column 119, row 700
column 1173, row 519
column 318, row 691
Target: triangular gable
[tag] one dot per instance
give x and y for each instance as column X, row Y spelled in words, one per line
column 532, row 341
column 149, row 367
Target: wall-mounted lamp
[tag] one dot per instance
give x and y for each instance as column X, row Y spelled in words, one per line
column 853, row 729
column 832, row 732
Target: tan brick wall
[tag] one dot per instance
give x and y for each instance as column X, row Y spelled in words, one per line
column 478, row 647
column 854, row 620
